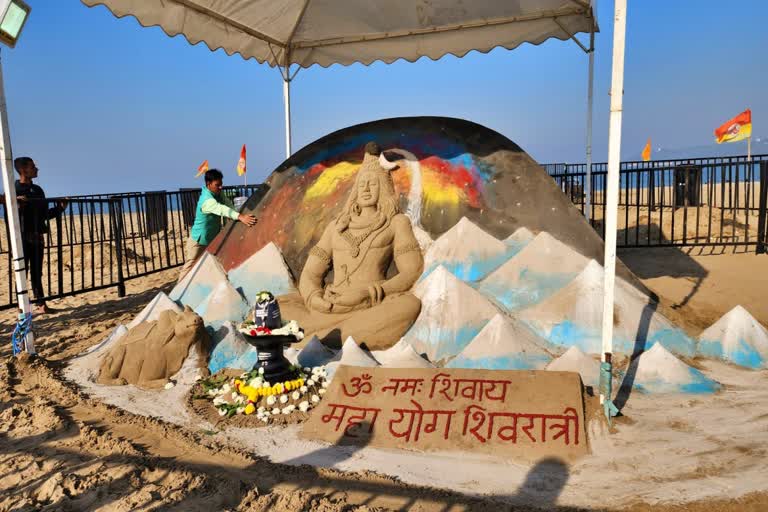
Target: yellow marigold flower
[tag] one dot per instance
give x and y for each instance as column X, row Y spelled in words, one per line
column 288, row 385
column 249, row 409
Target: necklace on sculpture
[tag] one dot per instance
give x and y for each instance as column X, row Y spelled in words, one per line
column 355, row 241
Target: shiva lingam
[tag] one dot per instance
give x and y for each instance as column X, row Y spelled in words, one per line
column 265, row 330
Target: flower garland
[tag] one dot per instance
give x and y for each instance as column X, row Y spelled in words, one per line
column 250, row 393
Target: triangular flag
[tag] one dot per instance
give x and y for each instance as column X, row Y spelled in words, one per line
column 202, row 169
column 241, row 163
column 647, row 151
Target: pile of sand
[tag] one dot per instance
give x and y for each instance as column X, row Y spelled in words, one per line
column 466, row 251
column 452, row 313
column 542, row 267
column 351, row 354
column 264, row 270
column 659, row 371
column 199, row 282
column 152, row 311
column 573, row 316
column 401, row 355
column 224, row 304
column 503, row 344
column 314, row 353
column 519, row 239
column 574, row 360
column 736, row 337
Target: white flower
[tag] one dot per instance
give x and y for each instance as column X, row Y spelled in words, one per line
column 265, row 419
column 218, row 400
column 321, row 391
column 222, row 412
column 260, row 410
column 295, row 395
column 239, row 399
column 288, row 409
column 266, row 385
column 240, row 410
column 310, row 382
column 256, row 383
column 326, row 383
column 213, row 392
column 276, row 410
column 315, row 399
column 304, row 406
column 303, row 389
column 271, row 399
column 283, row 399
column 243, row 375
column 226, row 388
column 261, row 371
column 307, row 369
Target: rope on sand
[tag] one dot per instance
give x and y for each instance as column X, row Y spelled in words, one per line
column 20, row 333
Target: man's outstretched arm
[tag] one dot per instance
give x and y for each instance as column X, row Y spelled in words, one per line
column 211, row 206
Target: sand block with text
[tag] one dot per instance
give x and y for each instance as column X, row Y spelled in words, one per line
column 525, row 414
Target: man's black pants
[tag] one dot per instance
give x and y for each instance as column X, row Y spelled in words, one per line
column 34, row 250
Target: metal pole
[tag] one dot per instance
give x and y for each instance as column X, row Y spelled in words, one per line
column 11, row 207
column 614, row 151
column 590, row 89
column 287, row 101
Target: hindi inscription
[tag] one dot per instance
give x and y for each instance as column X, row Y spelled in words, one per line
column 525, row 414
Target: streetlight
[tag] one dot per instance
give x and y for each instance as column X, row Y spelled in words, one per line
column 13, row 15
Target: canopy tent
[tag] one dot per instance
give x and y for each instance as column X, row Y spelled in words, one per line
column 285, row 33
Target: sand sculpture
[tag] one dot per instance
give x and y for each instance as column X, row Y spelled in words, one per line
column 152, row 352
column 359, row 246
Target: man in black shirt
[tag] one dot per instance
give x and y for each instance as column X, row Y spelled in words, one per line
column 34, row 214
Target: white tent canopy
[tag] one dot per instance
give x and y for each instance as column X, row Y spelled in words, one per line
column 325, row 32
column 306, row 32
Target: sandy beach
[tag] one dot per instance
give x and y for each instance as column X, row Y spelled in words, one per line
column 67, row 450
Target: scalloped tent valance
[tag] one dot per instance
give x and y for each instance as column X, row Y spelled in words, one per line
column 325, row 32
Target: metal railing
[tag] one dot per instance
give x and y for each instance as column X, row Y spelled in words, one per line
column 103, row 240
column 687, row 202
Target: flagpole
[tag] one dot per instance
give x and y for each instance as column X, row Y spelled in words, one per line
column 749, row 148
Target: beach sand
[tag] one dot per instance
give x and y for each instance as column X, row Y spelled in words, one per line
column 64, row 450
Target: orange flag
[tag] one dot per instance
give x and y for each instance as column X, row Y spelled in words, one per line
column 647, row 151
column 241, row 162
column 738, row 128
column 202, row 169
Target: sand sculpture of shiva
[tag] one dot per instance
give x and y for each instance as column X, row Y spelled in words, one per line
column 359, row 246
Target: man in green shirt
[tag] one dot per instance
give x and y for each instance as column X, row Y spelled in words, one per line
column 211, row 206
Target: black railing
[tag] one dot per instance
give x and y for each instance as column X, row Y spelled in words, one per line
column 103, row 240
column 687, row 202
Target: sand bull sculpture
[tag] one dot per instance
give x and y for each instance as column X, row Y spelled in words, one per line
column 359, row 246
column 150, row 353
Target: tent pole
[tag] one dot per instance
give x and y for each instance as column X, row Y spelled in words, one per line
column 287, row 101
column 12, row 215
column 614, row 152
column 590, row 90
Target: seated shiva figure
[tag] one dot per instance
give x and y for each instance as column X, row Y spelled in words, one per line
column 360, row 245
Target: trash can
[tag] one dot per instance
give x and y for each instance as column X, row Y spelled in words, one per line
column 687, row 185
column 155, row 213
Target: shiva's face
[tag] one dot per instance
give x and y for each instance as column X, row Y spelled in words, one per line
column 368, row 190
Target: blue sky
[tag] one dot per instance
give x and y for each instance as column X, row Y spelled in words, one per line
column 104, row 105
